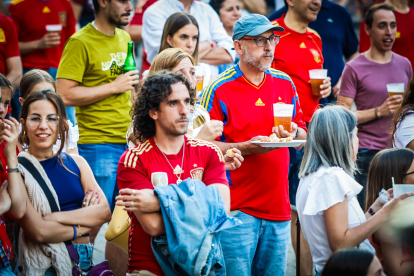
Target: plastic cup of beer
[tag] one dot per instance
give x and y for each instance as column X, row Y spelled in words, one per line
column 199, row 73
column 282, row 114
column 317, row 76
column 395, row 89
column 54, row 28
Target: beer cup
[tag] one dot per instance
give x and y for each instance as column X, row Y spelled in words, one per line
column 395, row 89
column 54, row 28
column 317, row 76
column 199, row 73
column 282, row 114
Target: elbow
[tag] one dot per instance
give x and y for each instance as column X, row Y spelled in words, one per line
column 18, row 214
column 38, row 235
column 107, row 215
column 153, row 228
column 228, row 59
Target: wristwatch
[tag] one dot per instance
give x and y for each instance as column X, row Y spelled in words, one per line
column 16, row 169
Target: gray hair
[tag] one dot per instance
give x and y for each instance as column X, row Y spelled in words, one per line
column 329, row 143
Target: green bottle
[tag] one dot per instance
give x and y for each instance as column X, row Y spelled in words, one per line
column 129, row 64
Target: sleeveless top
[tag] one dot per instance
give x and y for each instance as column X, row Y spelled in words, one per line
column 65, row 181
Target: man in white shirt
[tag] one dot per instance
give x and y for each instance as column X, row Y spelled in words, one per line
column 213, row 37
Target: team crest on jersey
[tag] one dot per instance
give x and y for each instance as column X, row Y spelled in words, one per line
column 2, row 36
column 159, row 179
column 316, row 56
column 63, row 18
column 197, row 174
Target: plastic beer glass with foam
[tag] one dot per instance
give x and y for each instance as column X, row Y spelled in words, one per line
column 282, row 115
column 395, row 89
column 317, row 76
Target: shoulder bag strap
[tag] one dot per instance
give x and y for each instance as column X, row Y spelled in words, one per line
column 52, row 202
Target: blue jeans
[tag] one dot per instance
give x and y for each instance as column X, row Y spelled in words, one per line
column 103, row 160
column 17, row 107
column 364, row 159
column 256, row 247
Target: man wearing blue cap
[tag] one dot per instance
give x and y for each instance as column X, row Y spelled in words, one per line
column 243, row 98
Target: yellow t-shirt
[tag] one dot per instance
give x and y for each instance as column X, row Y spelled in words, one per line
column 93, row 59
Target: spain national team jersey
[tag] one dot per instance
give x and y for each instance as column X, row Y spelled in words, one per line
column 145, row 167
column 9, row 45
column 260, row 186
column 295, row 55
column 31, row 18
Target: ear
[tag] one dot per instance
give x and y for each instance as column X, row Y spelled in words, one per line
column 367, row 29
column 103, row 3
column 21, row 100
column 153, row 114
column 239, row 47
column 290, row 3
column 169, row 41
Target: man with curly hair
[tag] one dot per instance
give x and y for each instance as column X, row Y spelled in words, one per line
column 165, row 155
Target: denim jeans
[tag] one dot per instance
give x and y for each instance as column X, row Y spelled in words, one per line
column 364, row 159
column 103, row 160
column 85, row 255
column 256, row 247
column 16, row 106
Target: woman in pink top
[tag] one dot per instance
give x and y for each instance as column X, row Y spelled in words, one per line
column 395, row 258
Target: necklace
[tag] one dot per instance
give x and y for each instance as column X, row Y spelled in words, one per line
column 176, row 170
column 40, row 157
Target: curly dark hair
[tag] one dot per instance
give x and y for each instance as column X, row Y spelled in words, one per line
column 155, row 90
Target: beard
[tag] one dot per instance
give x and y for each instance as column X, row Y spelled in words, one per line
column 256, row 63
column 114, row 19
column 172, row 129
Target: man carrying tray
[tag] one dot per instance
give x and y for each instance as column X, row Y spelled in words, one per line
column 243, row 98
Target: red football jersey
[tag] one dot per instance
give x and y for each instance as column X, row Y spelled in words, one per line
column 9, row 44
column 295, row 55
column 145, row 167
column 260, row 186
column 404, row 40
column 31, row 18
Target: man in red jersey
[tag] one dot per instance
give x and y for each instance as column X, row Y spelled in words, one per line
column 39, row 48
column 10, row 62
column 404, row 39
column 164, row 156
column 243, row 97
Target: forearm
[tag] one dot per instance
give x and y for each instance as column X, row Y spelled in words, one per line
column 152, row 223
column 80, row 95
column 91, row 216
column 27, row 47
column 15, row 75
column 355, row 236
column 364, row 116
column 243, row 147
column 17, row 191
column 255, row 6
column 217, row 56
column 3, row 208
column 203, row 49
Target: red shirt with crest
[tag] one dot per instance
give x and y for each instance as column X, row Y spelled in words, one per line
column 295, row 55
column 145, row 167
column 9, row 44
column 31, row 18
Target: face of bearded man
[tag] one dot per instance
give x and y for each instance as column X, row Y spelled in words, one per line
column 259, row 58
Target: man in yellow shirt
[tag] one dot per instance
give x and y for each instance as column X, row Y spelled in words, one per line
column 90, row 77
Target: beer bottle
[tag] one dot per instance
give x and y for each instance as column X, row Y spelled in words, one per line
column 129, row 64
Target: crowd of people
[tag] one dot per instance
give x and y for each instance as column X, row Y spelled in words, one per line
column 179, row 147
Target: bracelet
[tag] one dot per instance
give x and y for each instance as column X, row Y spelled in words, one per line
column 297, row 132
column 80, row 234
column 376, row 113
column 75, row 234
column 371, row 211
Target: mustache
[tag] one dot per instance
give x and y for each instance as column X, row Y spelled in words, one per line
column 182, row 119
column 268, row 54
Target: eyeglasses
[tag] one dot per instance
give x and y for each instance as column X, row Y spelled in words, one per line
column 262, row 41
column 51, row 120
column 408, row 173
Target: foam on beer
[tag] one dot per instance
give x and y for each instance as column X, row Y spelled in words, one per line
column 54, row 28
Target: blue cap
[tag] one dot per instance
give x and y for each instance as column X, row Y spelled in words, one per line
column 253, row 25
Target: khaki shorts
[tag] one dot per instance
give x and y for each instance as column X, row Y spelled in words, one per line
column 141, row 273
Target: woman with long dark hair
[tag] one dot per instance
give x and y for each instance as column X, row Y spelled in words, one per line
column 353, row 262
column 386, row 165
column 71, row 182
column 403, row 132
